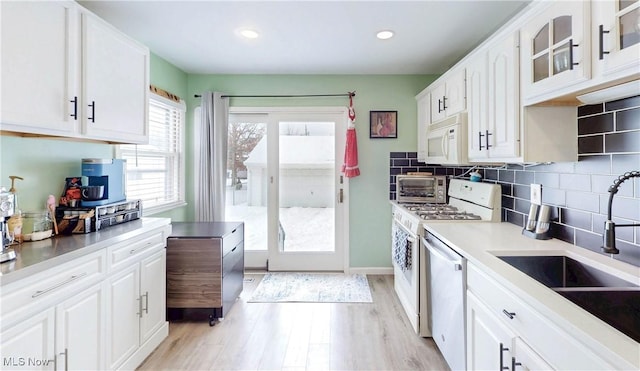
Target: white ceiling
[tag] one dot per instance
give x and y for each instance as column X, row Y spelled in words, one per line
column 309, row 37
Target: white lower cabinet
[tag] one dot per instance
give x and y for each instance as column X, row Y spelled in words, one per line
column 498, row 319
column 85, row 315
column 29, row 345
column 67, row 337
column 80, row 330
column 492, row 346
column 137, row 295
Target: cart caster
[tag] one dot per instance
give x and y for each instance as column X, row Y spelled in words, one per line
column 212, row 320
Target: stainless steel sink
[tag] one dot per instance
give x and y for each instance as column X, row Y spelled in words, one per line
column 618, row 308
column 614, row 300
column 562, row 271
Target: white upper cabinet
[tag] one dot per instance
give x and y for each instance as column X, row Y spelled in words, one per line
column 449, row 97
column 39, row 67
column 616, row 38
column 115, row 75
column 555, row 50
column 67, row 73
column 493, row 101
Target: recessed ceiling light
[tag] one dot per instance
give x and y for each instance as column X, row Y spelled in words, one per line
column 384, row 35
column 249, row 34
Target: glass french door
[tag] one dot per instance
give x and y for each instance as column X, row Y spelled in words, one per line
column 285, row 184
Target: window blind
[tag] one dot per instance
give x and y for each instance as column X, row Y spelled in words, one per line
column 155, row 171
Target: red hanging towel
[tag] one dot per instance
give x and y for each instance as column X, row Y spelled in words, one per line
column 350, row 166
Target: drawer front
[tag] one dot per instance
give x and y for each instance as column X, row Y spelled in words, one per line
column 557, row 347
column 235, row 256
column 54, row 284
column 232, row 239
column 121, row 254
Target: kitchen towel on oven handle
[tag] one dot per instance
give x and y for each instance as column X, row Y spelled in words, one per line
column 402, row 248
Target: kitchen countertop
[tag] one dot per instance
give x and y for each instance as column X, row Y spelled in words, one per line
column 480, row 242
column 37, row 256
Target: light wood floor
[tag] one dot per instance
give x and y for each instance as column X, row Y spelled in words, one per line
column 299, row 336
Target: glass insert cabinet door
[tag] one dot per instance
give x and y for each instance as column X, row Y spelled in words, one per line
column 628, row 23
column 616, row 37
column 555, row 47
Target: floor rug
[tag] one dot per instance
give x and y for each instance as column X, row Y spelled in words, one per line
column 312, row 287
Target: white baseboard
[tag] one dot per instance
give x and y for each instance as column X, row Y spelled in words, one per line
column 371, row 270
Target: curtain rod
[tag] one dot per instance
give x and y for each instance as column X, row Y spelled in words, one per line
column 349, row 94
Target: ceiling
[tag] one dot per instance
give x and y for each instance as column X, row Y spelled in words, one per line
column 309, row 37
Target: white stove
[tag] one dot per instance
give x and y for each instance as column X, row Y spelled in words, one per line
column 468, row 202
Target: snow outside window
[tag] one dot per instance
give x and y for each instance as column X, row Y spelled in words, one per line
column 155, row 171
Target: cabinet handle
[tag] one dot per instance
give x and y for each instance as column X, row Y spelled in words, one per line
column 444, row 103
column 487, row 138
column 66, row 359
column 146, row 302
column 68, row 280
column 75, row 107
column 601, row 51
column 508, row 314
column 514, row 364
column 571, row 46
column 480, row 135
column 93, row 111
column 234, row 249
column 439, row 105
column 502, row 350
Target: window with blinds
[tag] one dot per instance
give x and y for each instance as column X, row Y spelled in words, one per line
column 155, row 171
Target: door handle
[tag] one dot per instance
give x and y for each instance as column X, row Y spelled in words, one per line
column 75, row 107
column 601, row 51
column 571, row 46
column 93, row 111
column 502, row 350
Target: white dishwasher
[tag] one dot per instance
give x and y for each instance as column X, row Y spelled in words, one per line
column 447, row 283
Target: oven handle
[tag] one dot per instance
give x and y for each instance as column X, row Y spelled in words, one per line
column 444, row 255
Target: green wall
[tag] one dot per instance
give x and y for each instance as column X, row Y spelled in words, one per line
column 44, row 163
column 369, row 209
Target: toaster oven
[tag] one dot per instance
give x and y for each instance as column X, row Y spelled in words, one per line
column 421, row 189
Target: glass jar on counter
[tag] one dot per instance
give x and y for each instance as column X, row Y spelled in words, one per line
column 36, row 223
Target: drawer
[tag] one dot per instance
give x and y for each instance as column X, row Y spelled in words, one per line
column 53, row 284
column 232, row 239
column 234, row 256
column 554, row 344
column 121, row 254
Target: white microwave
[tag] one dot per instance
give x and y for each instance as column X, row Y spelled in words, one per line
column 447, row 141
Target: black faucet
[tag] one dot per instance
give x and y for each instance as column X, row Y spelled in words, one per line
column 609, row 236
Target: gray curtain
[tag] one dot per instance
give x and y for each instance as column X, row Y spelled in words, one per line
column 211, row 172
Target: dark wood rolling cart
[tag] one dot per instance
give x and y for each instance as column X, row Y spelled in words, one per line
column 205, row 267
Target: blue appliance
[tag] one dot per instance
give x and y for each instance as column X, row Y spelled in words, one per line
column 110, row 173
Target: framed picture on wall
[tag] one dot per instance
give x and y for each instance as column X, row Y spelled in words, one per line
column 383, row 124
